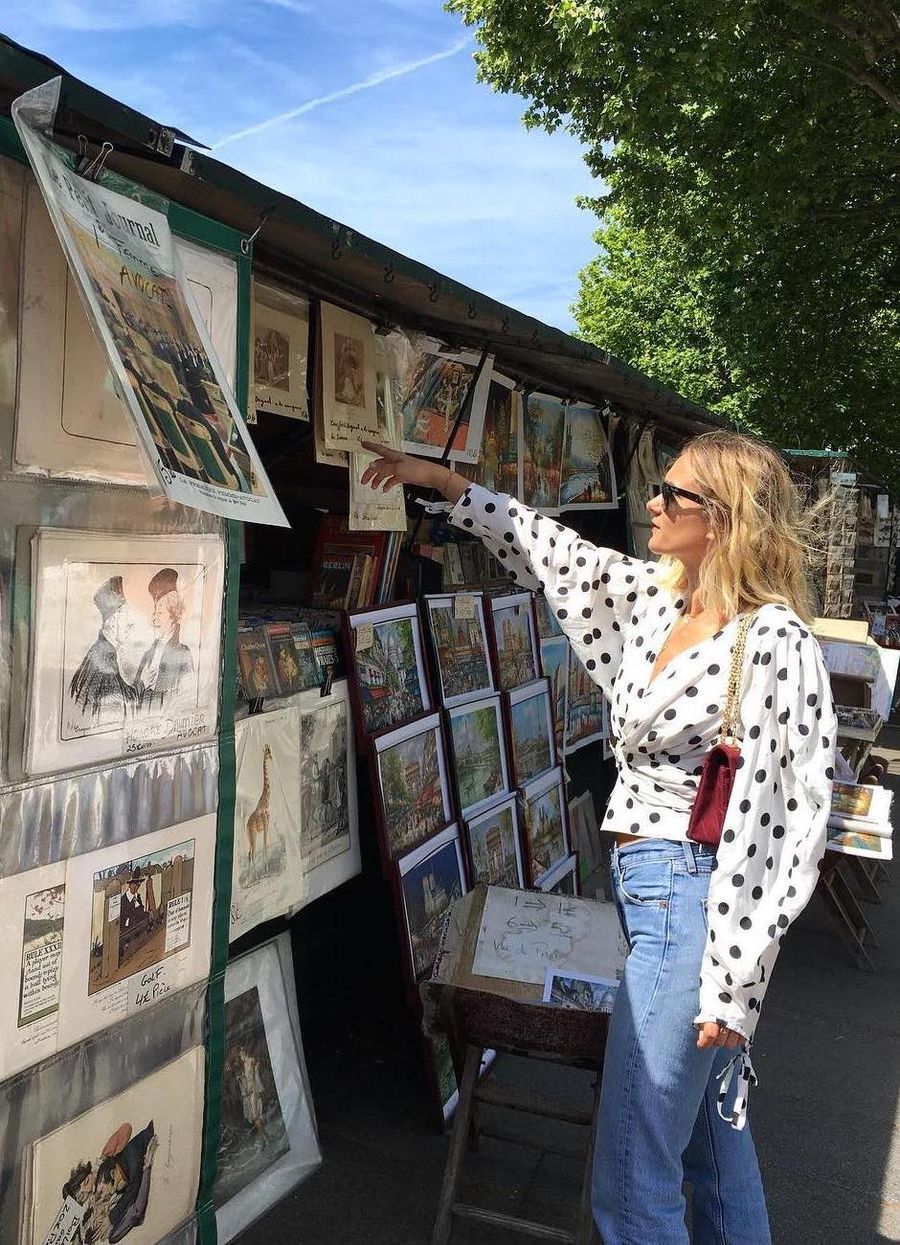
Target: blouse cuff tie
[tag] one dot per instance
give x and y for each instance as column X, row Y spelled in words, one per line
column 737, row 1117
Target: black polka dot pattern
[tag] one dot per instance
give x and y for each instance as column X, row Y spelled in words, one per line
column 617, row 617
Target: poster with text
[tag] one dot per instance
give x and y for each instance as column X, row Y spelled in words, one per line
column 159, row 351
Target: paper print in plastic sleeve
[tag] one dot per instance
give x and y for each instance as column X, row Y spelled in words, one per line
column 266, row 870
column 128, row 1167
column 158, row 349
column 349, row 410
column 70, row 420
column 433, row 392
column 371, row 509
column 497, row 467
column 588, row 475
column 267, row 1129
column 137, row 925
column 280, row 353
column 125, row 645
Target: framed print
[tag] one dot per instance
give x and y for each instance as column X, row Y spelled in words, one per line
column 497, row 467
column 413, row 783
column 493, row 838
column 329, row 815
column 563, row 880
column 547, row 623
column 432, row 878
column 387, row 660
column 532, row 735
column 349, row 409
column 546, row 826
column 859, row 843
column 588, row 474
column 280, row 352
column 586, row 713
column 555, row 664
column 585, row 834
column 138, row 920
column 514, row 630
column 266, row 878
column 128, row 1167
column 125, row 645
column 433, row 391
column 479, row 753
column 71, row 421
column 541, row 448
column 267, row 1128
column 459, row 640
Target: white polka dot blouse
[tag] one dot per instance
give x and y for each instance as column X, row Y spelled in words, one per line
column 617, row 618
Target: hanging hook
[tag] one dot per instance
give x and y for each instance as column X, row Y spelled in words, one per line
column 247, row 243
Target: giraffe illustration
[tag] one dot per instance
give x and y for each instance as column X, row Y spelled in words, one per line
column 258, row 821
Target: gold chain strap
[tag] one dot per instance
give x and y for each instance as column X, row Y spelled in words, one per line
column 731, row 713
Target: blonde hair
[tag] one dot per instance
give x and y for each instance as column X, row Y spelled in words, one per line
column 765, row 544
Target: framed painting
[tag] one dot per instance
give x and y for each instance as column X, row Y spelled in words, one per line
column 460, row 645
column 280, row 352
column 541, row 448
column 479, row 753
column 547, row 623
column 587, row 718
column 517, row 658
column 432, row 878
column 387, row 663
column 555, row 663
column 859, row 843
column 585, row 834
column 546, row 826
column 495, row 853
column 532, row 734
column 126, row 635
column 588, row 475
column 563, row 880
column 413, row 784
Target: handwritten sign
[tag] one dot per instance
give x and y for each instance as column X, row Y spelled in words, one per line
column 464, row 605
column 365, row 637
column 524, row 934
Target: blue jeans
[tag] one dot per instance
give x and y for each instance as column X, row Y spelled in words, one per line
column 658, row 1123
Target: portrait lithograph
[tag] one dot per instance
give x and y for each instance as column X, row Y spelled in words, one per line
column 531, row 731
column 546, row 826
column 541, row 448
column 413, row 784
column 588, row 474
column 433, row 393
column 479, row 753
column 459, row 640
column 266, row 873
column 497, row 467
column 495, row 854
column 555, row 664
column 280, row 352
column 137, row 925
column 329, row 820
column 349, row 403
column 125, row 645
column 432, row 878
column 388, row 664
column 128, row 1169
column 514, row 631
column 587, row 716
column 267, row 1128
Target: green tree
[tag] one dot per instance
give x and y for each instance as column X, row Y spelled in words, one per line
column 751, row 195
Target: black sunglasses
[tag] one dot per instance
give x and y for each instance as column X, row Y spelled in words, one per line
column 669, row 492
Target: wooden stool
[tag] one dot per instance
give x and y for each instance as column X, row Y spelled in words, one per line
column 475, row 1022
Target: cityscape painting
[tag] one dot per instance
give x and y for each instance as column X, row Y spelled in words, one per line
column 412, row 779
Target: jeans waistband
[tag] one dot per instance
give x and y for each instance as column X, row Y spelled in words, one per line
column 667, row 849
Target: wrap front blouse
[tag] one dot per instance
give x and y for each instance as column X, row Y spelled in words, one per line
column 617, row 618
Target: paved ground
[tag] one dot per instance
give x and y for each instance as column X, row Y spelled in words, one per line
column 825, row 1114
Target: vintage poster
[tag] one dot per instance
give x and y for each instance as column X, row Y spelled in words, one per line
column 433, row 394
column 432, row 878
column 494, row 845
column 479, row 753
column 70, row 419
column 125, row 645
column 280, row 352
column 266, row 875
column 541, row 449
column 32, row 915
column 588, row 475
column 267, row 1129
column 389, row 666
column 460, row 645
column 130, row 1166
column 137, row 925
column 413, row 784
column 349, row 408
column 157, row 346
column 497, row 467
column 371, row 509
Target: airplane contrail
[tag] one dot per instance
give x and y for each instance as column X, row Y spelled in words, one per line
column 375, row 79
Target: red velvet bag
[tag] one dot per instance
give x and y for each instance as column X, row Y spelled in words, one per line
column 720, row 764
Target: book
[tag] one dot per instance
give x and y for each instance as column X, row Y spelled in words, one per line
column 310, row 674
column 335, row 574
column 255, row 663
column 283, row 653
column 338, row 580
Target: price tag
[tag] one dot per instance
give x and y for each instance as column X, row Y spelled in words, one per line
column 365, row 637
column 464, row 605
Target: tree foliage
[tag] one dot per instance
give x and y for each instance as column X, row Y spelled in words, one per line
column 751, row 200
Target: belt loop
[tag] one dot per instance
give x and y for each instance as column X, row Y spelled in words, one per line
column 688, row 849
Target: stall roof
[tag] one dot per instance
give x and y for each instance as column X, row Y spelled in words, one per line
column 327, row 258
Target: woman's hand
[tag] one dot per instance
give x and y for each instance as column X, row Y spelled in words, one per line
column 391, row 468
column 712, row 1034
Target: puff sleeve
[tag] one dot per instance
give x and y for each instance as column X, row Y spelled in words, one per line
column 595, row 593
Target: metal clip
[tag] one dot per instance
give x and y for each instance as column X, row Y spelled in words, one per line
column 388, row 274
column 432, row 292
column 95, row 168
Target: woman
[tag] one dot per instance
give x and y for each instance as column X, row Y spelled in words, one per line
column 657, row 637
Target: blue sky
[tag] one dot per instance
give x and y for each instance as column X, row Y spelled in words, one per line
column 417, row 155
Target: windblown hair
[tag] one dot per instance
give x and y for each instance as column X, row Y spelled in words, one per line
column 765, row 545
